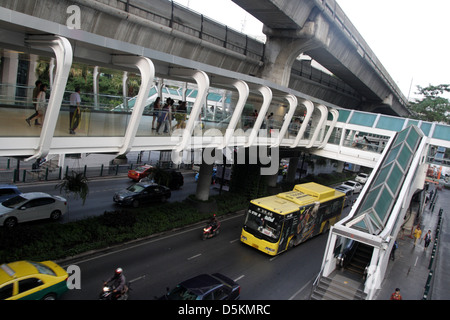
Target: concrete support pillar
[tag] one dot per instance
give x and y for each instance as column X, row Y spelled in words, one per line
column 272, row 180
column 340, row 166
column 293, row 164
column 204, row 181
column 95, row 85
column 32, row 77
column 9, row 77
column 125, row 89
column 283, row 47
column 61, row 160
column 64, row 54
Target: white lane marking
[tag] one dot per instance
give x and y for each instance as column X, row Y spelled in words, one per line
column 138, row 278
column 196, row 256
column 301, row 289
column 239, row 278
column 233, row 241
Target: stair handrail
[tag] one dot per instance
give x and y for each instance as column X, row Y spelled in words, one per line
column 316, row 281
column 48, row 160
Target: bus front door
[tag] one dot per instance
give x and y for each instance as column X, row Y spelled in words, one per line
column 287, row 231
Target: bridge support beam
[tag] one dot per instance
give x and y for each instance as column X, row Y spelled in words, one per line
column 64, row 56
column 147, row 69
column 284, row 46
column 309, row 111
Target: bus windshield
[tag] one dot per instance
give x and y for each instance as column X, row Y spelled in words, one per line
column 263, row 223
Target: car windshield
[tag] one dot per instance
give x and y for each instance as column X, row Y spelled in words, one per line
column 42, row 268
column 352, row 184
column 141, row 169
column 14, row 201
column 136, row 188
column 263, row 223
column 181, row 293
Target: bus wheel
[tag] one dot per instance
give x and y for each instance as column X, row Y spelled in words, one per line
column 290, row 244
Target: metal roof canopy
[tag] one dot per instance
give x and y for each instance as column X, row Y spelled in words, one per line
column 380, row 198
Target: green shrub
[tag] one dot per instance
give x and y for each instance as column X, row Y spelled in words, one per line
column 118, row 218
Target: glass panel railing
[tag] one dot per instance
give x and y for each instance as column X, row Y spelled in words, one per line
column 101, row 116
column 343, row 115
column 363, row 119
column 442, row 132
column 426, row 127
column 365, row 141
column 335, row 136
column 391, row 123
column 16, row 106
column 294, row 127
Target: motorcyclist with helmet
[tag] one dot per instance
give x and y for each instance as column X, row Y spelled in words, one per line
column 213, row 222
column 118, row 283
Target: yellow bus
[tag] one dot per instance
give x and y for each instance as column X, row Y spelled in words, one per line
column 275, row 223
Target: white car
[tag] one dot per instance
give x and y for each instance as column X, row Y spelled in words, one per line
column 348, row 191
column 357, row 187
column 362, row 178
column 31, row 206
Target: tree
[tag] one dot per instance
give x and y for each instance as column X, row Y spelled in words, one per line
column 432, row 107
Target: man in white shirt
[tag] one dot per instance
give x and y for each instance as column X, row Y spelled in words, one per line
column 75, row 112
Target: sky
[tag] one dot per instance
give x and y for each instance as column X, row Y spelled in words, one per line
column 409, row 37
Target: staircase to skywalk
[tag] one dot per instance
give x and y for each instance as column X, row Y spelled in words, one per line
column 339, row 285
column 346, row 283
column 51, row 163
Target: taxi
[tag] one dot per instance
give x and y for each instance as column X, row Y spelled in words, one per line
column 140, row 172
column 28, row 280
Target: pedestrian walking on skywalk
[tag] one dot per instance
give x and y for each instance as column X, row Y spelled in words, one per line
column 74, row 110
column 41, row 103
column 36, row 91
column 156, row 109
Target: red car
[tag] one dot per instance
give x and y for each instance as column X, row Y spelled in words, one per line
column 140, row 172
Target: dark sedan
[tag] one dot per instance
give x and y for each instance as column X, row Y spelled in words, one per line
column 142, row 193
column 205, row 287
column 8, row 191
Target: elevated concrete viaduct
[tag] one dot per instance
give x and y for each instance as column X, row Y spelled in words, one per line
column 320, row 29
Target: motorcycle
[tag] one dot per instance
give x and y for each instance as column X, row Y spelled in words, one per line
column 209, row 231
column 109, row 294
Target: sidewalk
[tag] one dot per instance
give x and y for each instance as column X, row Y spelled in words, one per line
column 92, row 160
column 95, row 164
column 410, row 269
